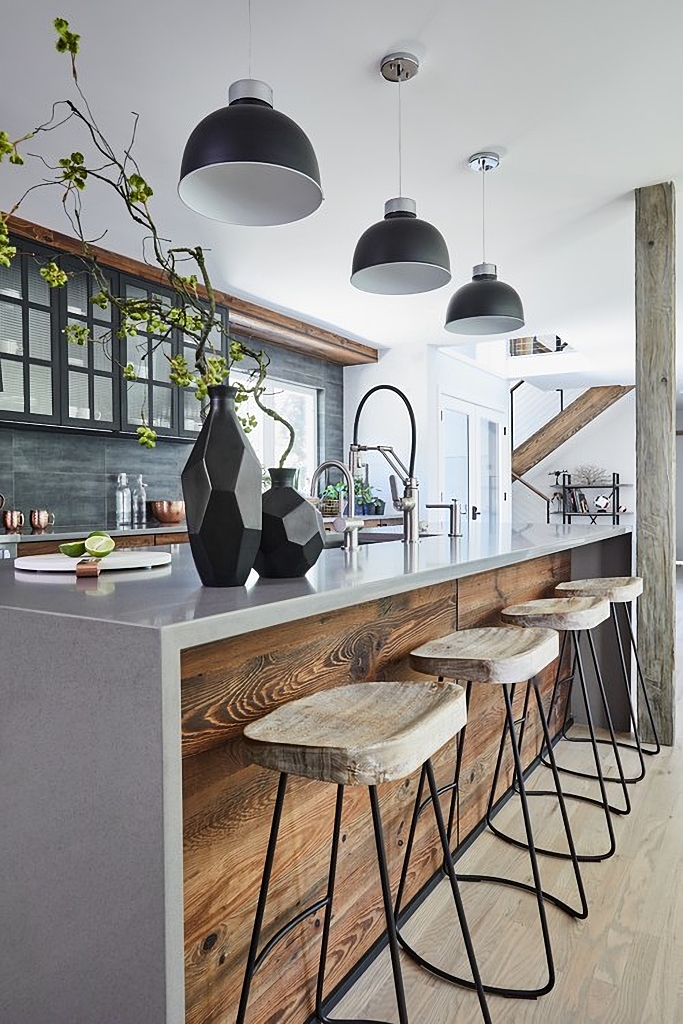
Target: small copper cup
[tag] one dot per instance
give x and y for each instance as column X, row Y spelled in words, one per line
column 40, row 518
column 13, row 520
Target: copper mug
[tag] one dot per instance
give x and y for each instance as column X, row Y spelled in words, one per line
column 13, row 520
column 40, row 518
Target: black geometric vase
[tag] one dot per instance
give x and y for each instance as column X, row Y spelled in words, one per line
column 292, row 535
column 222, row 491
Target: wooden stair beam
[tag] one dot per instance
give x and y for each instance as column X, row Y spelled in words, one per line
column 563, row 426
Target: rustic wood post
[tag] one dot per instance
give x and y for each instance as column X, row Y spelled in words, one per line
column 656, row 447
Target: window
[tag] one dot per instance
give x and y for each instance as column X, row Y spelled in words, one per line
column 299, row 405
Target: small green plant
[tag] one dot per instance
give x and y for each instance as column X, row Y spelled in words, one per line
column 182, row 268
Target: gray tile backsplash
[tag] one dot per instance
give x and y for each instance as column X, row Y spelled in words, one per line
column 74, row 475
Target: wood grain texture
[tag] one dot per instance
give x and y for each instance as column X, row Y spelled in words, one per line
column 365, row 734
column 228, row 803
column 656, row 447
column 563, row 426
column 490, row 654
column 171, row 538
column 618, row 589
column 250, row 319
column 558, row 612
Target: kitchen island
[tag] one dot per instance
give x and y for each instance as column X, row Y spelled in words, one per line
column 133, row 833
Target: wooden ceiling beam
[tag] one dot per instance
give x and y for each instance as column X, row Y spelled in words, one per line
column 258, row 322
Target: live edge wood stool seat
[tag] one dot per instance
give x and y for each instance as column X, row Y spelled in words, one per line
column 620, row 591
column 364, row 734
column 504, row 657
column 574, row 616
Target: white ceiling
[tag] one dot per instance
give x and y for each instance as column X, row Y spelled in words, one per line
column 583, row 100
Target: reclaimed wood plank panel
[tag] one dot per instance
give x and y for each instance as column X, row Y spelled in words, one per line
column 656, row 448
column 228, row 804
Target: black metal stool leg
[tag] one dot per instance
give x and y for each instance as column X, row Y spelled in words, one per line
column 623, row 745
column 643, row 687
column 448, row 860
column 331, row 878
column 536, row 889
column 263, row 896
column 612, row 742
column 388, row 908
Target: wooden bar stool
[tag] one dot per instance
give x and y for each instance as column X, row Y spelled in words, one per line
column 574, row 616
column 364, row 734
column 505, row 657
column 620, row 591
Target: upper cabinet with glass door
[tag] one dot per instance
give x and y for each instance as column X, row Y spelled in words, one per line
column 92, row 376
column 151, row 398
column 28, row 374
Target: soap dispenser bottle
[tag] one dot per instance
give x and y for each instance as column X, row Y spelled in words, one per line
column 139, row 503
column 123, row 501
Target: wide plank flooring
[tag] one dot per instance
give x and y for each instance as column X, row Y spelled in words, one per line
column 623, row 965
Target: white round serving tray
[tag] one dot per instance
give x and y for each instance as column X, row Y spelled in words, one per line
column 143, row 558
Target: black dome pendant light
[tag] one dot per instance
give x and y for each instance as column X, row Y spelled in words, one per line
column 400, row 255
column 248, row 163
column 485, row 305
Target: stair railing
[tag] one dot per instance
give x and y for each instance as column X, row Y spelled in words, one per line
column 535, row 490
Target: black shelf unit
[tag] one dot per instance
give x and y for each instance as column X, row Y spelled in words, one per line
column 576, row 504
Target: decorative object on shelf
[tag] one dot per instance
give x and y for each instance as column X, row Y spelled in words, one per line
column 485, row 305
column 191, row 310
column 12, row 520
column 292, row 533
column 575, row 502
column 400, row 255
column 248, row 163
column 590, row 475
column 222, row 490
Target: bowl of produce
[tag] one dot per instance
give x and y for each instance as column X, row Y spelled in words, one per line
column 167, row 511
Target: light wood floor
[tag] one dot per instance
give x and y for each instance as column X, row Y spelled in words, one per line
column 623, row 965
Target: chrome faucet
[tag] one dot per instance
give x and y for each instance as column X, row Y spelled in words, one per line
column 455, row 511
column 351, row 524
column 409, row 503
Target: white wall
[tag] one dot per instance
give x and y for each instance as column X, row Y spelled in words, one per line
column 422, row 374
column 609, row 441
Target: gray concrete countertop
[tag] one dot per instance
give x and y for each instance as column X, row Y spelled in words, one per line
column 171, row 599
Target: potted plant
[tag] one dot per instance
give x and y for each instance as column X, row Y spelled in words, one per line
column 222, row 478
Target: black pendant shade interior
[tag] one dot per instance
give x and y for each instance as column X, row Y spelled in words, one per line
column 485, row 305
column 250, row 164
column 400, row 255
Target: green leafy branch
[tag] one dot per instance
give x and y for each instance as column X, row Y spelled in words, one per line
column 193, row 312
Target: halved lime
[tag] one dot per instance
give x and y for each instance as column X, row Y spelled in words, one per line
column 98, row 533
column 99, row 545
column 74, row 549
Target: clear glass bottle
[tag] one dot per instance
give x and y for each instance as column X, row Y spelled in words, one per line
column 139, row 503
column 123, row 501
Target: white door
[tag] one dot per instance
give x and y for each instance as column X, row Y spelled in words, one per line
column 471, row 462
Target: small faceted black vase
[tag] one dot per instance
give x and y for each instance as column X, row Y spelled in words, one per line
column 222, row 491
column 293, row 535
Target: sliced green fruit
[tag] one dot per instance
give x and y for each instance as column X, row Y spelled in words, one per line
column 99, row 545
column 74, row 549
column 98, row 533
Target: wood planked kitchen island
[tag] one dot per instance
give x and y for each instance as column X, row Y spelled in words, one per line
column 133, row 833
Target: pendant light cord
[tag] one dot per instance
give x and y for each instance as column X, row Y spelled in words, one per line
column 483, row 213
column 400, row 153
column 249, row 9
